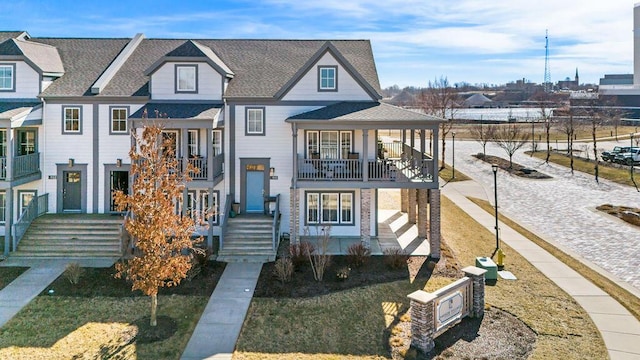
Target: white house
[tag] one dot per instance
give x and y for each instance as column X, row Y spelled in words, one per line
column 287, row 128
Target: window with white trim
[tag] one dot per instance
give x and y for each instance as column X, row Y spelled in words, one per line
column 193, row 145
column 72, row 120
column 255, row 121
column 119, row 120
column 187, row 78
column 3, row 206
column 327, row 78
column 26, row 142
column 25, row 198
column 329, row 208
column 7, row 77
column 3, row 143
column 329, row 144
column 216, row 139
column 199, row 209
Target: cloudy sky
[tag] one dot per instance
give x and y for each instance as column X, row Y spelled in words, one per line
column 414, row 41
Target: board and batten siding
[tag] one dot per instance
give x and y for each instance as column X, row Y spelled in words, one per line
column 26, row 82
column 307, row 87
column 60, row 147
column 163, row 83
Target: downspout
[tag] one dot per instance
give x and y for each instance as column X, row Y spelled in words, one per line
column 44, row 147
column 295, row 211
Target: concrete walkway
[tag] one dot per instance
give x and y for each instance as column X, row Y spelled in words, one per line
column 26, row 287
column 217, row 331
column 619, row 329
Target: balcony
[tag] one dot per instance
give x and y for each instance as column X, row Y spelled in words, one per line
column 382, row 170
column 23, row 166
column 208, row 168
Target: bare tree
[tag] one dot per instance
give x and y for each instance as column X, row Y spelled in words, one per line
column 612, row 113
column 162, row 237
column 545, row 103
column 483, row 134
column 440, row 99
column 568, row 126
column 511, row 138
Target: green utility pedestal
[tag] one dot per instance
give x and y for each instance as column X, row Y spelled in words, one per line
column 488, row 264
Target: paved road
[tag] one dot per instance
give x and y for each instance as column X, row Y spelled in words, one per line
column 562, row 209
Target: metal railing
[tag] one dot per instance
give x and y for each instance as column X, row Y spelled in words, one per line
column 223, row 218
column 24, row 165
column 36, row 207
column 276, row 224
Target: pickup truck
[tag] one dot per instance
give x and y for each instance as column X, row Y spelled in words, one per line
column 630, row 157
column 610, row 155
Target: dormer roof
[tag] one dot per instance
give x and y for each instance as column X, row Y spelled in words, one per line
column 44, row 58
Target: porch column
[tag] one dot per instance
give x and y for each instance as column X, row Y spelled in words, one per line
column 434, row 219
column 365, row 154
column 185, row 200
column 209, row 155
column 365, row 217
column 214, row 212
column 412, row 206
column 184, row 148
column 10, row 155
column 413, row 145
column 293, row 217
column 404, row 200
column 423, row 208
column 8, row 216
column 423, row 148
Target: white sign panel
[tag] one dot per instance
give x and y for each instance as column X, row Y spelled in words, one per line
column 449, row 309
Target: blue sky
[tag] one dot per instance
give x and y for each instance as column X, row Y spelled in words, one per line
column 414, row 41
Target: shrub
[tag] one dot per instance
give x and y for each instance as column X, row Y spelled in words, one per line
column 283, row 269
column 73, row 273
column 358, row 254
column 343, row 273
column 300, row 253
column 395, row 258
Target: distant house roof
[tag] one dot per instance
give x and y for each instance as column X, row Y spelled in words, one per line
column 365, row 112
column 403, row 99
column 476, row 100
column 261, row 68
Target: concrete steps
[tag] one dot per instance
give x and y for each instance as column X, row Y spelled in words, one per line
column 248, row 238
column 71, row 236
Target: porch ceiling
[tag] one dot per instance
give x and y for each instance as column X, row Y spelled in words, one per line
column 199, row 111
column 367, row 113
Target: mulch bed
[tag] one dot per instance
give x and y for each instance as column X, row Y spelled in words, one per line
column 628, row 214
column 164, row 329
column 515, row 169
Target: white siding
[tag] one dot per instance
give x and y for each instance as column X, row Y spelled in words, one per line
column 307, row 88
column 27, row 82
column 163, row 83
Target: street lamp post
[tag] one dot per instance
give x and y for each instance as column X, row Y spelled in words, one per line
column 498, row 251
column 453, row 153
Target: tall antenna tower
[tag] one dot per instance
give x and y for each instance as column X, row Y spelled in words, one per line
column 547, row 73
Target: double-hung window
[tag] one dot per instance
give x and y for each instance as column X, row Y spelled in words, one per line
column 26, row 142
column 72, row 120
column 3, row 206
column 7, row 77
column 186, row 78
column 331, row 145
column 327, row 78
column 334, row 208
column 119, row 120
column 216, row 138
column 193, row 145
column 255, row 121
column 3, row 143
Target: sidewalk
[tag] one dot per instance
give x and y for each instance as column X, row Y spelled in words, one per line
column 217, row 331
column 619, row 329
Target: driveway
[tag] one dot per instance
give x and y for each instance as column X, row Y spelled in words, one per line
column 562, row 209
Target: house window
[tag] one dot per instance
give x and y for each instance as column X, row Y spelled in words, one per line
column 25, row 198
column 3, row 143
column 26, row 142
column 255, row 121
column 329, row 208
column 170, row 143
column 193, row 145
column 199, row 209
column 72, row 118
column 327, row 78
column 7, row 77
column 3, row 206
column 119, row 120
column 329, row 144
column 187, row 78
column 216, row 139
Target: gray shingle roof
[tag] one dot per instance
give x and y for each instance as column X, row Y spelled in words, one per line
column 45, row 57
column 261, row 67
column 5, row 35
column 178, row 111
column 10, row 109
column 84, row 61
column 363, row 111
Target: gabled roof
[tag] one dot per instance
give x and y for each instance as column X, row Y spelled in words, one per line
column 365, row 112
column 476, row 100
column 84, row 61
column 44, row 58
column 193, row 51
column 6, row 35
column 328, row 47
column 17, row 112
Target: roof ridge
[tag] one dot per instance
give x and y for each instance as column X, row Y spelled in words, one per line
column 34, row 43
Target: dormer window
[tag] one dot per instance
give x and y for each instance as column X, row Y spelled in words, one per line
column 327, row 78
column 186, row 78
column 7, row 77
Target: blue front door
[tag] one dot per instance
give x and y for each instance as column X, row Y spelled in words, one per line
column 255, row 191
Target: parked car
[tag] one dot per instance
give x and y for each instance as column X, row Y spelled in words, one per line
column 610, row 155
column 630, row 157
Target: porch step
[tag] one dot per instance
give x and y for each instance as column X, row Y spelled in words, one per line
column 248, row 238
column 69, row 236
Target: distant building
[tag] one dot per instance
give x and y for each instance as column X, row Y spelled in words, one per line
column 568, row 84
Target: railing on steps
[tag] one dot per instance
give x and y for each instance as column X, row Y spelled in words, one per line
column 276, row 224
column 223, row 219
column 36, row 208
